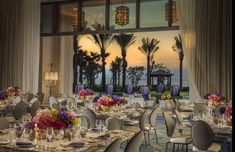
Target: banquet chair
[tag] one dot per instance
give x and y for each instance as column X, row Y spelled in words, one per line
column 40, row 96
column 30, row 96
column 34, row 107
column 134, row 144
column 177, row 104
column 4, row 123
column 203, row 136
column 182, row 124
column 114, row 146
column 55, row 106
column 70, row 100
column 85, row 122
column 114, row 124
column 181, row 120
column 175, row 139
column 136, row 105
column 52, row 100
column 19, row 110
column 173, row 105
column 91, row 116
column 152, row 121
column 16, row 100
column 144, row 127
column 219, row 110
column 199, row 108
column 34, row 99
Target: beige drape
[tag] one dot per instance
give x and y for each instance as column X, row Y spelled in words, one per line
column 66, row 65
column 206, row 27
column 19, row 44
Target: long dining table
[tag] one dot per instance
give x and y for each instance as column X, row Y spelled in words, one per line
column 92, row 141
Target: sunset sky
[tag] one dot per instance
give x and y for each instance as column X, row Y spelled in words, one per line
column 164, row 55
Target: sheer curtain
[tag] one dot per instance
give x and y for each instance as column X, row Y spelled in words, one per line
column 19, row 44
column 206, row 27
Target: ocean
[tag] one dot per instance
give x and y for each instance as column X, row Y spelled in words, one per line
column 174, row 79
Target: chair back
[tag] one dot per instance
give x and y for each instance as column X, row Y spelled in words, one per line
column 91, row 116
column 19, row 110
column 4, row 123
column 34, row 99
column 16, row 100
column 70, row 100
column 177, row 104
column 85, row 122
column 142, row 119
column 30, row 97
column 52, row 100
column 199, row 108
column 219, row 110
column 40, row 96
column 169, row 124
column 55, row 106
column 202, row 135
column 134, row 144
column 136, row 105
column 114, row 124
column 35, row 106
column 114, row 146
column 173, row 105
column 179, row 117
column 153, row 117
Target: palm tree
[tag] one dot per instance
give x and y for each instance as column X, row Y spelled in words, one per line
column 102, row 41
column 124, row 41
column 148, row 48
column 113, row 69
column 179, row 49
column 118, row 61
column 116, row 70
column 92, row 68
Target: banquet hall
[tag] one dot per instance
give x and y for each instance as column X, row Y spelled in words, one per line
column 116, row 75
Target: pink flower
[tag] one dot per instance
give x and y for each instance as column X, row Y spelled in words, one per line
column 216, row 97
column 228, row 110
column 82, row 92
column 43, row 118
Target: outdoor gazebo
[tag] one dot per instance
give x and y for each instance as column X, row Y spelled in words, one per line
column 161, row 75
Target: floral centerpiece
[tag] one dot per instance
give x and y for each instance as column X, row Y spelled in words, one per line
column 215, row 98
column 56, row 119
column 85, row 92
column 165, row 97
column 105, row 102
column 13, row 91
column 228, row 110
column 2, row 95
column 2, row 98
column 228, row 114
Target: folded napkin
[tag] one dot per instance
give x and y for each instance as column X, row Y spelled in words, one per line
column 76, row 144
column 104, row 136
column 95, row 129
column 23, row 143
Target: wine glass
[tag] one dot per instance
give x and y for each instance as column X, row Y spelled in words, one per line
column 71, row 130
column 103, row 126
column 11, row 138
column 49, row 134
column 98, row 125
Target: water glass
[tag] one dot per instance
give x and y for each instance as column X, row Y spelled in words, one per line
column 49, row 134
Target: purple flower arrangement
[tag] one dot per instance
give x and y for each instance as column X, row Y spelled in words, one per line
column 2, row 95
